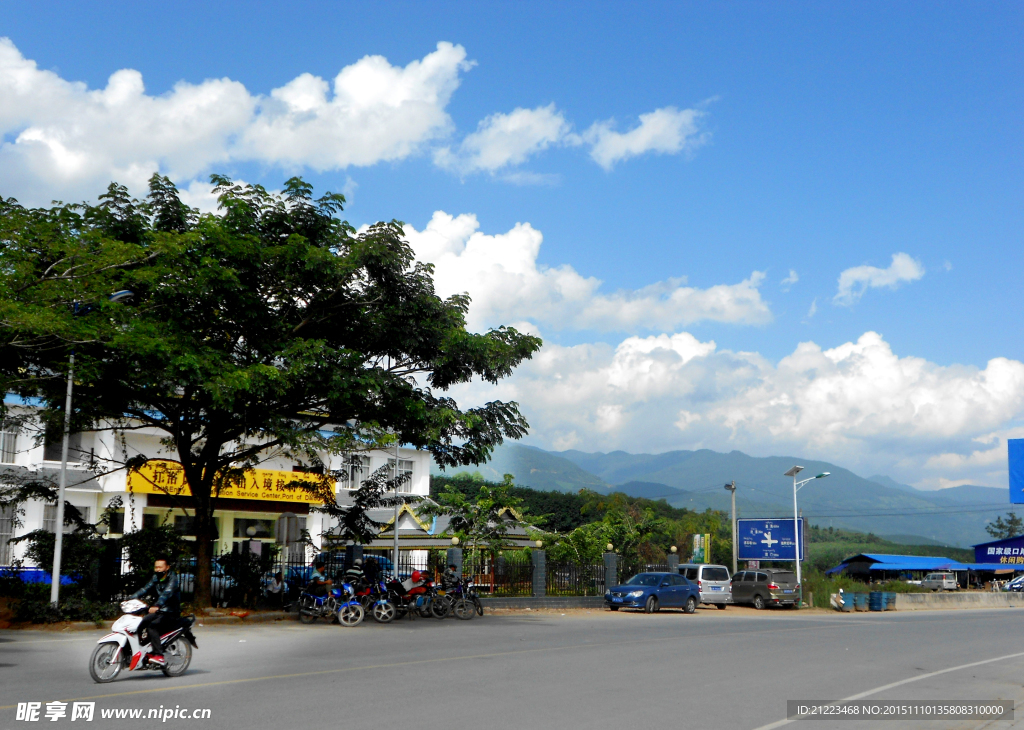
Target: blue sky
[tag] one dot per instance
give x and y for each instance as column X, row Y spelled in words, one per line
column 815, row 139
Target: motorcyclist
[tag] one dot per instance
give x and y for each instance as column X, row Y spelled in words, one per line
column 371, row 569
column 165, row 611
column 415, row 584
column 355, row 576
column 318, row 585
column 450, row 578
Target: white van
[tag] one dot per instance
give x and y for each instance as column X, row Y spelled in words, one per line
column 713, row 581
column 940, row 582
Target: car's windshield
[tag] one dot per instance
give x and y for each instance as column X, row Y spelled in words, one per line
column 644, row 579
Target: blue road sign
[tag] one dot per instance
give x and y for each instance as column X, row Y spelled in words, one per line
column 768, row 539
column 1015, row 452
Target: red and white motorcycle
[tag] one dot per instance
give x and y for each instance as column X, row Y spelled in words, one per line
column 122, row 649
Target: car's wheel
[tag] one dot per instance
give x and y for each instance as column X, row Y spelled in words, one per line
column 759, row 603
column 651, row 606
column 178, row 655
column 721, row 606
column 613, row 608
column 691, row 605
column 101, row 668
column 384, row 612
column 351, row 614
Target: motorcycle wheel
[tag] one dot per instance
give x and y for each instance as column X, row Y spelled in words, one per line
column 178, row 655
column 384, row 612
column 479, row 606
column 439, row 608
column 307, row 612
column 351, row 614
column 463, row 609
column 101, row 669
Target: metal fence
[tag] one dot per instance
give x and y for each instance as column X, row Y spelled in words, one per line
column 575, row 579
column 628, row 568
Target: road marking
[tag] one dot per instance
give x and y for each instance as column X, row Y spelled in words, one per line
column 900, row 683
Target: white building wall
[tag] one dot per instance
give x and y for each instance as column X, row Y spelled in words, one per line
column 112, row 448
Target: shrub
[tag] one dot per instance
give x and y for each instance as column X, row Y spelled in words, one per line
column 35, row 607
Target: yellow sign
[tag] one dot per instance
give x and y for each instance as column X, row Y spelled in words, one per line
column 167, row 477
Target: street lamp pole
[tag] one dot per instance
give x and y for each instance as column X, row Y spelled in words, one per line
column 796, row 523
column 732, row 488
column 58, row 543
column 395, row 530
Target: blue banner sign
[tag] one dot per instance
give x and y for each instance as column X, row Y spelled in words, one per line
column 1015, row 452
column 768, row 539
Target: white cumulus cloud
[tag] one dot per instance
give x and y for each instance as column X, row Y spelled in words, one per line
column 502, row 140
column 666, row 131
column 60, row 138
column 860, row 404
column 855, row 281
column 505, row 281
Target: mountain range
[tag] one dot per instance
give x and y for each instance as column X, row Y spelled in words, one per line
column 695, row 479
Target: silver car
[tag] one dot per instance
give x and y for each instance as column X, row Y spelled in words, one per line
column 713, row 581
column 940, row 582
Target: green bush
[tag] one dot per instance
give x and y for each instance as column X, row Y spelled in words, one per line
column 35, row 607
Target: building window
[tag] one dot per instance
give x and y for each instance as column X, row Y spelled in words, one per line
column 354, row 470
column 54, row 442
column 150, row 520
column 50, row 517
column 8, row 445
column 117, row 522
column 259, row 528
column 6, row 533
column 404, row 469
column 185, row 525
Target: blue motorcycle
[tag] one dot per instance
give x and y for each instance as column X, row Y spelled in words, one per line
column 339, row 604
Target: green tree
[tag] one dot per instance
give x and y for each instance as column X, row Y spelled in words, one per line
column 252, row 332
column 1010, row 527
column 483, row 521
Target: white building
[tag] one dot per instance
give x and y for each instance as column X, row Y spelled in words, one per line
column 154, row 495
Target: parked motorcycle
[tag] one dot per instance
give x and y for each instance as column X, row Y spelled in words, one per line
column 338, row 603
column 377, row 602
column 122, row 649
column 458, row 600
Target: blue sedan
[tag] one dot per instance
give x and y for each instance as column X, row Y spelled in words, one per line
column 654, row 591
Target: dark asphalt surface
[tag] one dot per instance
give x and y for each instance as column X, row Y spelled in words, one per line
column 714, row 669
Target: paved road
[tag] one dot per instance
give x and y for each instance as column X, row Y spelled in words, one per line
column 714, row 669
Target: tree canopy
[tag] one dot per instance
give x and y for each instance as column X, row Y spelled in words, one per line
column 270, row 327
column 1010, row 527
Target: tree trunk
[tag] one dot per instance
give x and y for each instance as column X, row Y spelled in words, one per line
column 205, row 535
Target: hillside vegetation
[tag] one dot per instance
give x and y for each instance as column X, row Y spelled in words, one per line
column 693, row 480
